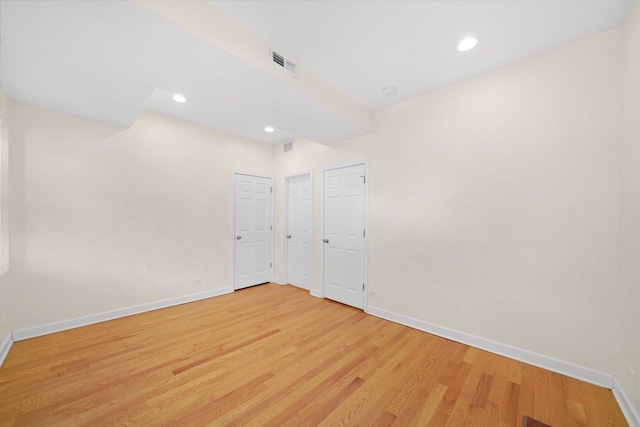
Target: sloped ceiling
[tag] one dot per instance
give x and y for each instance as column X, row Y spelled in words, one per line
column 364, row 46
column 108, row 60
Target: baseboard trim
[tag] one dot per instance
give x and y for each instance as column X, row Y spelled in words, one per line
column 63, row 325
column 315, row 293
column 555, row 365
column 626, row 406
column 5, row 347
column 278, row 280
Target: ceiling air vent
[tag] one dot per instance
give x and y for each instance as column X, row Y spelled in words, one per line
column 288, row 146
column 288, row 65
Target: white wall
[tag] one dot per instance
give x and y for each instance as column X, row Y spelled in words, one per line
column 104, row 218
column 628, row 307
column 4, row 106
column 4, row 212
column 493, row 203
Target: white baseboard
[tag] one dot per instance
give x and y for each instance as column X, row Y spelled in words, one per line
column 626, row 406
column 63, row 325
column 5, row 347
column 555, row 365
column 315, row 293
column 278, row 280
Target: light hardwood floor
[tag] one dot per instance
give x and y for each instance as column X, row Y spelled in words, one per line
column 274, row 355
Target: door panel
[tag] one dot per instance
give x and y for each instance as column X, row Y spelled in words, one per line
column 299, row 219
column 344, row 254
column 253, row 230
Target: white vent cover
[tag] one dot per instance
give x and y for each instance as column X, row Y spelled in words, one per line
column 288, row 65
column 288, row 146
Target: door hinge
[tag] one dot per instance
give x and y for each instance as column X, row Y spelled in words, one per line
column 364, row 178
column 363, row 286
column 272, row 189
column 271, row 227
column 270, row 265
column 363, row 233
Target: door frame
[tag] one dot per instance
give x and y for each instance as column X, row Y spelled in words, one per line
column 366, row 226
column 232, row 228
column 285, row 223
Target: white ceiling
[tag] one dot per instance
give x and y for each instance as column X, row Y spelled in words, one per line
column 365, row 46
column 109, row 60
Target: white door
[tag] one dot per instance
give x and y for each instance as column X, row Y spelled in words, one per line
column 299, row 218
column 253, row 229
column 344, row 235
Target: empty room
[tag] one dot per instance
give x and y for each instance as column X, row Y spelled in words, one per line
column 302, row 213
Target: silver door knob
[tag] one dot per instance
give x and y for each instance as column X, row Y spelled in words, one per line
column 288, row 236
column 325, row 240
column 238, row 237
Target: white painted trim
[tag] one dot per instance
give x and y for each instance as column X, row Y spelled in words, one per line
column 549, row 363
column 63, row 325
column 316, row 293
column 278, row 280
column 283, row 230
column 5, row 235
column 235, row 172
column 232, row 231
column 5, row 347
column 344, row 165
column 366, row 226
column 299, row 173
column 320, row 293
column 242, row 172
column 629, row 411
column 366, row 235
column 285, row 222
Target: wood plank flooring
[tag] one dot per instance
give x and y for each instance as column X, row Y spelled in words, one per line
column 274, row 355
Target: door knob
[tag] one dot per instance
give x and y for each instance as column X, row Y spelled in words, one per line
column 238, row 237
column 288, row 236
column 325, row 240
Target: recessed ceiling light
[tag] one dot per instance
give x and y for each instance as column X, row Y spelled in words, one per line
column 389, row 91
column 179, row 98
column 467, row 43
column 269, row 129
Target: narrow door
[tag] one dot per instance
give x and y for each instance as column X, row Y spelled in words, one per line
column 253, row 230
column 299, row 218
column 344, row 235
